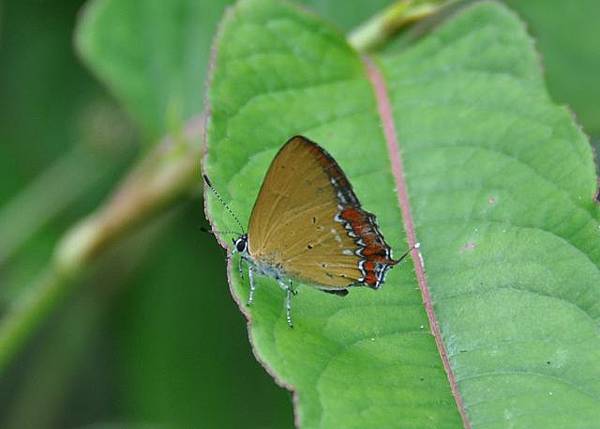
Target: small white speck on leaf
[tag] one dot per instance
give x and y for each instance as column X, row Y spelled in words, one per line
column 468, row 246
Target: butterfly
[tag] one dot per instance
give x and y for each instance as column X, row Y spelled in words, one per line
column 307, row 225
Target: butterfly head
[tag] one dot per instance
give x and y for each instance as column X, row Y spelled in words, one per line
column 241, row 243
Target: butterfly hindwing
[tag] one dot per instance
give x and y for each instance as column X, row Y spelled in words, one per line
column 305, row 222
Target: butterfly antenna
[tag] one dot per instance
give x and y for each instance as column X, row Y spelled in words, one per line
column 209, row 184
column 214, row 231
column 416, row 246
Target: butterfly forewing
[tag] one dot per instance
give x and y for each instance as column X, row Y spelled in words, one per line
column 295, row 225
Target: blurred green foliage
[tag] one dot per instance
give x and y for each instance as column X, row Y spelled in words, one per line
column 153, row 56
column 153, row 337
column 566, row 33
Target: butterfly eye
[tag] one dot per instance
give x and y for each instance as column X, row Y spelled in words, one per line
column 240, row 244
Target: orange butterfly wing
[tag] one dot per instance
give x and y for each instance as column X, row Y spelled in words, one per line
column 303, row 222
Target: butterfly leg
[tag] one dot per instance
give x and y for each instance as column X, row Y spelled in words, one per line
column 288, row 306
column 252, row 284
column 289, row 291
column 240, row 268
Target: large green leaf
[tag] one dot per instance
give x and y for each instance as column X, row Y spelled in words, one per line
column 501, row 185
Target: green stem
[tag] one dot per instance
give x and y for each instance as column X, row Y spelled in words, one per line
column 381, row 27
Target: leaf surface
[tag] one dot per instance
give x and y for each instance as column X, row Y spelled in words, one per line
column 501, row 186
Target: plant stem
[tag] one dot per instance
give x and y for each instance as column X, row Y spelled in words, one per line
column 381, row 27
column 165, row 174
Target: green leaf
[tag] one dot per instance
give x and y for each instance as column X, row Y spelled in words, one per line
column 152, row 54
column 501, row 186
column 567, row 36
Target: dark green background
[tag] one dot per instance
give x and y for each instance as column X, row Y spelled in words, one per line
column 153, row 337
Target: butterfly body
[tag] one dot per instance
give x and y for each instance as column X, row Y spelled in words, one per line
column 307, row 225
column 266, row 266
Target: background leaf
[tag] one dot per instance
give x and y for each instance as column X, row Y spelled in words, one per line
column 344, row 17
column 501, row 185
column 152, row 54
column 566, row 36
